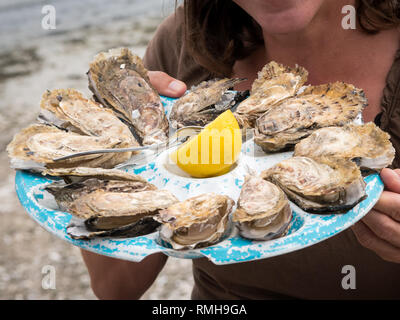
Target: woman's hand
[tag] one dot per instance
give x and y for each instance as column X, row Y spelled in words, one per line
column 166, row 85
column 379, row 230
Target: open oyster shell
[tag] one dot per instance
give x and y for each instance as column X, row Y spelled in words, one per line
column 71, row 124
column 76, row 174
column 204, row 102
column 68, row 109
column 295, row 118
column 81, row 230
column 119, row 80
column 263, row 210
column 111, row 204
column 196, row 222
column 34, row 147
column 275, row 83
column 323, row 186
column 367, row 145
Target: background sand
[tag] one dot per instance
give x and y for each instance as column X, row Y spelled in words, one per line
column 31, row 61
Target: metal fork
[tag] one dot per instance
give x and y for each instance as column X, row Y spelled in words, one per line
column 174, row 140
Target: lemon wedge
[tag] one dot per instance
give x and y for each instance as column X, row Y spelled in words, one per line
column 213, row 151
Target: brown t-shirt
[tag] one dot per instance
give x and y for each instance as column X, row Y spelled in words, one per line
column 314, row 272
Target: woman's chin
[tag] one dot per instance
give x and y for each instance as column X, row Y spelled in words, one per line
column 284, row 17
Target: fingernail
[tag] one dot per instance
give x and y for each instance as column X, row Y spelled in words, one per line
column 175, row 86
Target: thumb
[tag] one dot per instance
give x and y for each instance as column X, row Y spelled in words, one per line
column 391, row 179
column 166, row 85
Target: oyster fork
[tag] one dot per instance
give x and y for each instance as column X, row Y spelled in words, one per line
column 176, row 139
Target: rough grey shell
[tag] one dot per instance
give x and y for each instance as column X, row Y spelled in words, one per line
column 77, row 174
column 323, row 186
column 68, row 109
column 204, row 102
column 367, row 145
column 263, row 210
column 274, row 84
column 35, row 147
column 110, row 204
column 196, row 222
column 284, row 125
column 119, row 80
column 72, row 124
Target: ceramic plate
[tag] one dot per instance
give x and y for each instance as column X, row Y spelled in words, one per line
column 305, row 230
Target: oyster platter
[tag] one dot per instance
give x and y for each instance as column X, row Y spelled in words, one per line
column 295, row 166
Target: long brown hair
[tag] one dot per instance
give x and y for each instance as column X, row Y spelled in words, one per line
column 219, row 32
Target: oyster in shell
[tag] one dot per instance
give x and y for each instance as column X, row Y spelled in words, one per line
column 366, row 144
column 110, row 203
column 294, row 119
column 119, row 80
column 263, row 210
column 323, row 186
column 275, row 83
column 68, row 109
column 196, row 222
column 76, row 174
column 204, row 102
column 35, row 147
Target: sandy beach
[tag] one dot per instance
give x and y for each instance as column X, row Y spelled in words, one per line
column 33, row 60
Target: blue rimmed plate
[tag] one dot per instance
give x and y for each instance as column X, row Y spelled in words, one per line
column 305, row 230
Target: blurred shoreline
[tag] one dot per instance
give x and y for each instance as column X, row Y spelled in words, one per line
column 20, row 20
column 33, row 60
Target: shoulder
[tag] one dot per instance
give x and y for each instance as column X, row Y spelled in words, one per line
column 163, row 49
column 168, row 52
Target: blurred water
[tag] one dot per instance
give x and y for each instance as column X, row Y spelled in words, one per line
column 20, row 20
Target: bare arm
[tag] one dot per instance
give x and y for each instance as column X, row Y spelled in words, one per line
column 119, row 279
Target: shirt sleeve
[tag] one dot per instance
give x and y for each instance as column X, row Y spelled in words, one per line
column 162, row 51
column 167, row 52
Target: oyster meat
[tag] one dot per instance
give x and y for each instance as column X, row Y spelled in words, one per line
column 76, row 174
column 295, row 118
column 119, row 80
column 68, row 109
column 35, row 147
column 323, row 186
column 275, row 83
column 263, row 210
column 367, row 145
column 204, row 102
column 196, row 222
column 111, row 204
column 71, row 124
